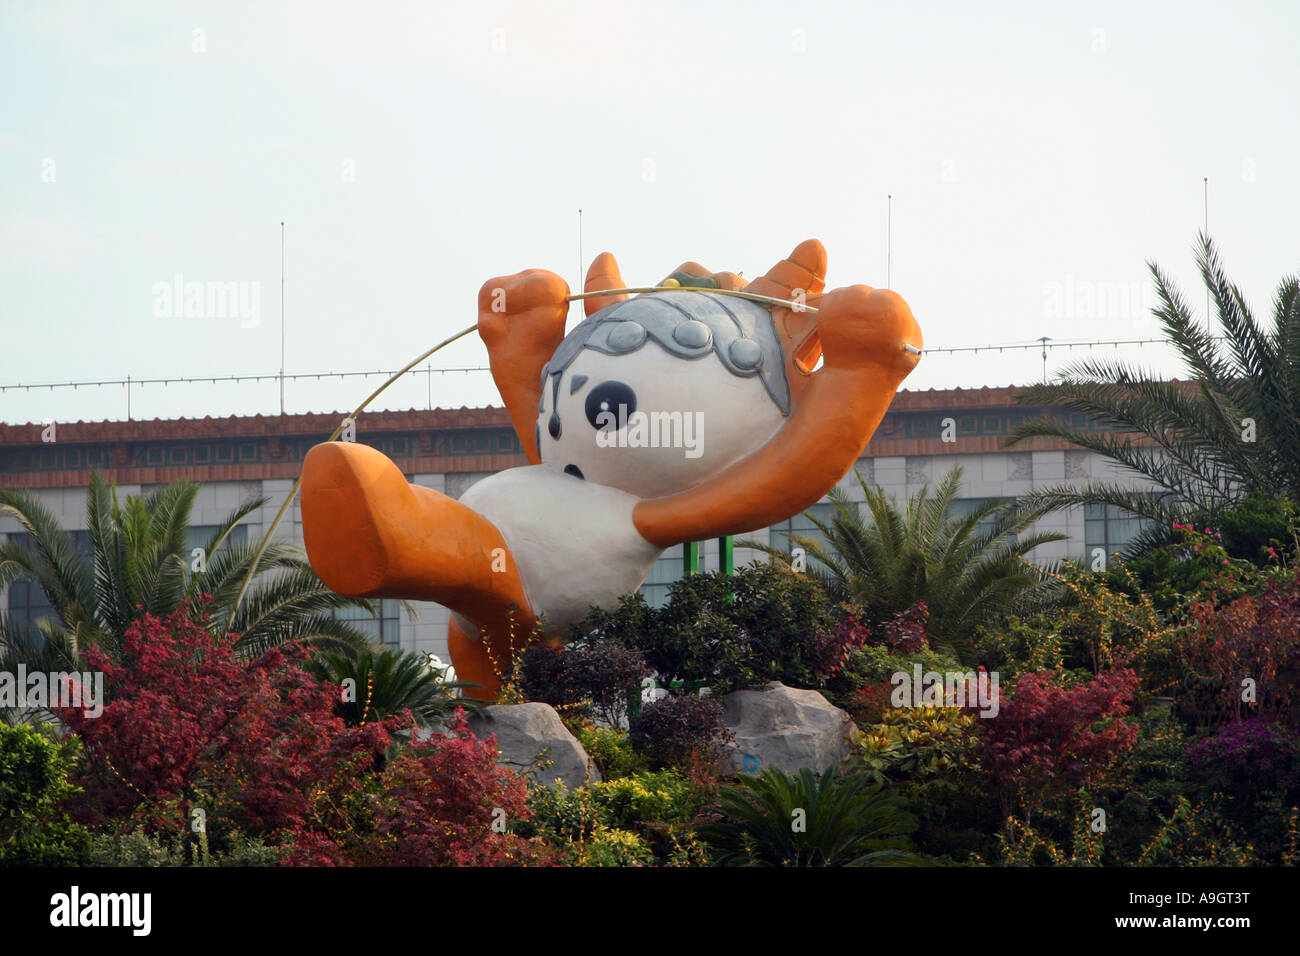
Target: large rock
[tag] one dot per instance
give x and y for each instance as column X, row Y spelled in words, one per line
column 528, row 735
column 786, row 728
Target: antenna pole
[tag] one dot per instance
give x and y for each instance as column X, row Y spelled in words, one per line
column 1205, row 180
column 889, row 240
column 281, row 316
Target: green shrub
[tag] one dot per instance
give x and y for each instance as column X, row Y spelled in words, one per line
column 779, row 819
column 616, row 848
column 919, row 742
column 560, row 815
column 1240, row 559
column 249, row 851
column 136, row 848
column 612, row 751
column 864, row 687
column 581, row 830
column 1105, row 621
column 34, row 829
column 732, row 631
column 640, row 820
column 874, row 663
column 664, row 797
column 1260, row 523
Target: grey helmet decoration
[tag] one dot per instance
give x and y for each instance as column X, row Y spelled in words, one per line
column 689, row 325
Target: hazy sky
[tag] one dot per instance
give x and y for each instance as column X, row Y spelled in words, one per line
column 1038, row 155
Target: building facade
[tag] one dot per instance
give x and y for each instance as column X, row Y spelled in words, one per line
column 236, row 460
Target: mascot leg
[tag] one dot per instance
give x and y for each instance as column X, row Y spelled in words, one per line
column 370, row 533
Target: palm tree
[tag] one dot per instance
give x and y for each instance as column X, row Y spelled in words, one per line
column 1232, row 429
column 139, row 564
column 966, row 576
column 779, row 819
column 385, row 682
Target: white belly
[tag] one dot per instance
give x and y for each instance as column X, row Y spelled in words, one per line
column 574, row 541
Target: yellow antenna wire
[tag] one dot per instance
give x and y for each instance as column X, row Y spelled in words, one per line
column 333, row 435
column 740, row 294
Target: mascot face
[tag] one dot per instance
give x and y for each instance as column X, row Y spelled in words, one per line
column 659, row 393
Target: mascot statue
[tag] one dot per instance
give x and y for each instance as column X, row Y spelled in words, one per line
column 701, row 408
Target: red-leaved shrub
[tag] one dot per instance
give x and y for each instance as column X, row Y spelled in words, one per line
column 1048, row 740
column 1249, row 642
column 257, row 747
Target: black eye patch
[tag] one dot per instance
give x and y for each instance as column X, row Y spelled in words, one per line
column 610, row 399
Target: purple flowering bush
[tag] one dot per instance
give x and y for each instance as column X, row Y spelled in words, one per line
column 1247, row 757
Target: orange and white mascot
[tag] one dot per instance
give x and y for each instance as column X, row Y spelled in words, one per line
column 690, row 412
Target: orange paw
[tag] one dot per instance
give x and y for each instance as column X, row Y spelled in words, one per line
column 859, row 326
column 530, row 306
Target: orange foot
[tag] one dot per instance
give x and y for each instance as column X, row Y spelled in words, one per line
column 370, row 533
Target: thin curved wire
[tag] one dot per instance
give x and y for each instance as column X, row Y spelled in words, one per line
column 738, row 293
column 293, row 492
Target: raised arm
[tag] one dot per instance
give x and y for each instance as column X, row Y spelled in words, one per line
column 521, row 320
column 861, row 333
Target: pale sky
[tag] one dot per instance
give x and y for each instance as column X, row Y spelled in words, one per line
column 1038, row 155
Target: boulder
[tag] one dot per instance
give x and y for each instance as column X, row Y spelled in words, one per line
column 786, row 728
column 528, row 735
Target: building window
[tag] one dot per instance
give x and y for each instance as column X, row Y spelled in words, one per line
column 801, row 526
column 665, row 571
column 196, row 536
column 385, row 628
column 965, row 507
column 1110, row 528
column 27, row 603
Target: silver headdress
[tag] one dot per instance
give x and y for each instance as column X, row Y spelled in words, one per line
column 688, row 324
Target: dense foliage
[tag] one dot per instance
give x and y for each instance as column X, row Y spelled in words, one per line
column 807, row 819
column 733, row 631
column 194, row 742
column 375, row 684
column 680, row 729
column 595, row 673
column 1148, row 718
column 34, row 829
column 1048, row 739
column 888, row 561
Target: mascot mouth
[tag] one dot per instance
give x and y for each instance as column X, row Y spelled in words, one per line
column 575, row 471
